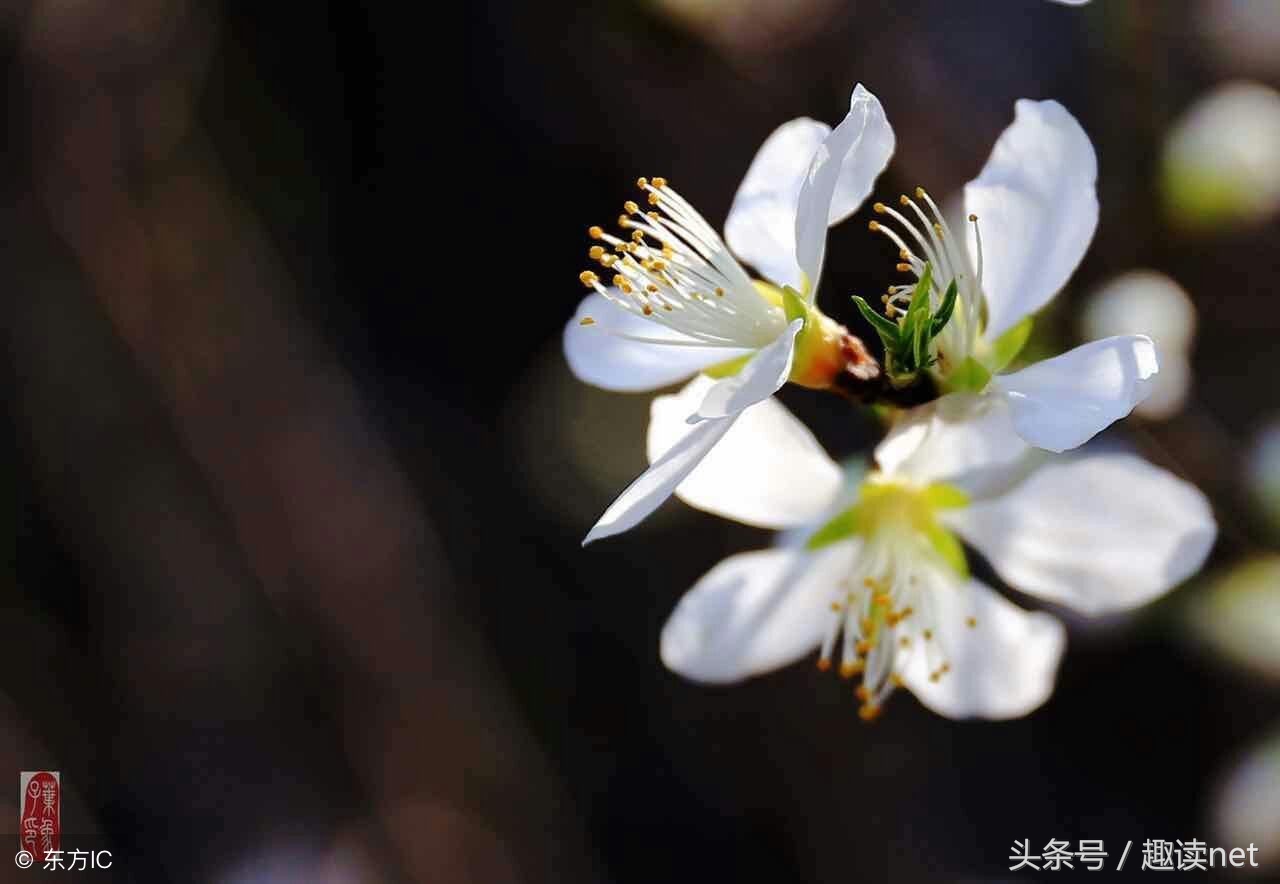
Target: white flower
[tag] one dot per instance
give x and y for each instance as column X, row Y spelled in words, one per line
column 880, row 582
column 1037, row 206
column 1221, row 160
column 1152, row 303
column 681, row 303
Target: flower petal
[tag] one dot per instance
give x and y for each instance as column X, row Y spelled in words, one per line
column 1037, row 207
column 1099, row 533
column 768, row 471
column 1063, row 402
column 754, row 612
column 598, row 355
column 963, row 439
column 759, row 379
column 840, row 176
column 761, row 227
column 1001, row 666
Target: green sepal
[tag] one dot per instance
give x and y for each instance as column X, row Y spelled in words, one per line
column 843, row 524
column 794, row 304
column 918, row 309
column 948, row 547
column 944, row 310
column 728, row 368
column 1009, row 345
column 972, row 376
column 942, row 496
column 885, row 327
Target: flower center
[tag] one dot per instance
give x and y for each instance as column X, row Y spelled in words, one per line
column 929, row 239
column 884, row 614
column 670, row 266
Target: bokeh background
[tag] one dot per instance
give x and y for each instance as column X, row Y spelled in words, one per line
column 297, row 473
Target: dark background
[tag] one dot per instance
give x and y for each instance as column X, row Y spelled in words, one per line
column 298, row 473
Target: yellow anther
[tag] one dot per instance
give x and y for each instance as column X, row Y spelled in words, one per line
column 889, row 310
column 658, row 265
column 904, row 642
column 904, row 254
column 596, row 252
column 873, row 226
column 882, row 598
column 623, row 221
column 893, row 618
column 651, row 289
column 648, row 311
column 862, row 692
column 907, row 612
column 896, row 680
column 904, row 268
column 637, row 236
column 619, row 280
column 642, row 183
column 667, row 307
column 586, row 320
column 824, row 664
column 903, row 201
column 653, row 216
column 971, row 622
column 928, row 635
column 973, row 217
column 659, row 182
column 935, row 677
column 863, row 647
column 654, row 199
column 919, row 193
column 869, row 712
column 878, row 208
column 595, row 232
column 630, row 207
column 946, row 667
column 836, row 606
column 609, row 260
column 937, row 228
column 848, row 669
column 719, row 293
column 587, row 278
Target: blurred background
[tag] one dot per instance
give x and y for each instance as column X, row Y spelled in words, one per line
column 298, row 474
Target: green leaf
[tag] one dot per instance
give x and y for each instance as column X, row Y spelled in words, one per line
column 1009, row 345
column 972, row 376
column 944, row 310
column 885, row 327
column 948, row 547
column 794, row 304
column 843, row 525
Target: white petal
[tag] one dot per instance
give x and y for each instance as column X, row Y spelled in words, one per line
column 754, row 612
column 1001, row 667
column 1063, row 402
column 656, row 484
column 1099, row 533
column 598, row 356
column 761, row 227
column 767, row 471
column 964, row 439
column 842, row 173
column 1037, row 208
column 759, row 379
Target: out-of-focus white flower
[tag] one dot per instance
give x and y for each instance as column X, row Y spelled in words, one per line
column 1031, row 215
column 1147, row 302
column 882, row 573
column 680, row 302
column 1247, row 809
column 1221, row 161
column 1238, row 615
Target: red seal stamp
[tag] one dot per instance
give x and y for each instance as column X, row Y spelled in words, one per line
column 40, row 823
